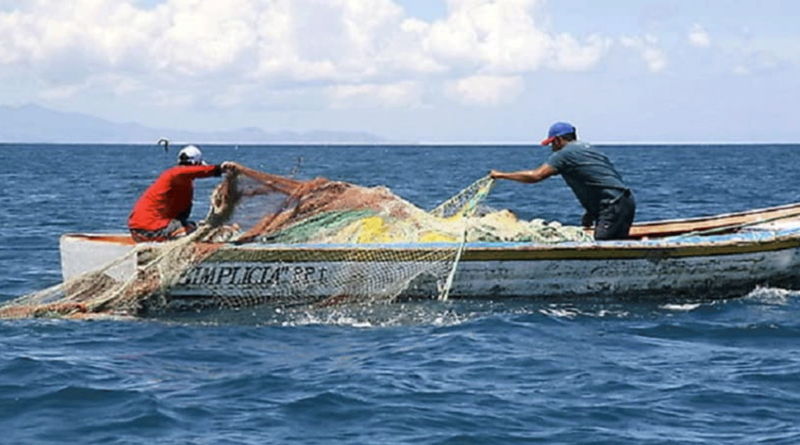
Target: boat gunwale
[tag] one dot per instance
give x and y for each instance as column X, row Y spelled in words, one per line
column 732, row 221
column 694, row 219
column 603, row 250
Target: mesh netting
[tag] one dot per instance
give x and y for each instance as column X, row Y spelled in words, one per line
column 288, row 242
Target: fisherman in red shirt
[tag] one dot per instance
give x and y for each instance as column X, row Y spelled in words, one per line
column 162, row 212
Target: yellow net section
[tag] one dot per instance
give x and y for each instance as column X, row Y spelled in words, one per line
column 268, row 239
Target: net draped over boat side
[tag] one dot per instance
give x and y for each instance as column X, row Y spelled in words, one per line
column 286, row 241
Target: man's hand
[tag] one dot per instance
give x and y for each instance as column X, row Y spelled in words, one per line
column 229, row 167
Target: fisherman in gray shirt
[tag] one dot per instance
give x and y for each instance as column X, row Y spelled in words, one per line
column 609, row 203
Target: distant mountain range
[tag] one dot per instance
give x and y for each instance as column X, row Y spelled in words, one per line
column 35, row 124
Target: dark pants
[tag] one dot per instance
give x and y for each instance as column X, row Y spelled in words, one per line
column 174, row 230
column 615, row 219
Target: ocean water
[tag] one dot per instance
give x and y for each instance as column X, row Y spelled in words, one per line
column 423, row 372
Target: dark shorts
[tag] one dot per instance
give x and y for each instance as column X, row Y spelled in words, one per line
column 614, row 220
column 174, row 230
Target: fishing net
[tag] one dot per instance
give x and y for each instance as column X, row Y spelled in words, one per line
column 269, row 239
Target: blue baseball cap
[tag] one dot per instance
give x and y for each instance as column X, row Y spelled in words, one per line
column 558, row 129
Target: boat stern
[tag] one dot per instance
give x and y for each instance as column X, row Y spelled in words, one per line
column 83, row 252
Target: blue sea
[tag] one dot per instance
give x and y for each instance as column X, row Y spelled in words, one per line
column 422, row 372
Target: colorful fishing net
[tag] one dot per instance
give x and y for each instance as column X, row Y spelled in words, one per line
column 269, row 239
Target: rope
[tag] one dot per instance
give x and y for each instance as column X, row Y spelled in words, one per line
column 484, row 186
column 451, row 276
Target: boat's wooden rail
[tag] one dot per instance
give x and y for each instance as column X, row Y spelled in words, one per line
column 720, row 224
column 111, row 238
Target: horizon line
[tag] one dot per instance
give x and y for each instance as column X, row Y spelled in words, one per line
column 395, row 143
column 392, row 143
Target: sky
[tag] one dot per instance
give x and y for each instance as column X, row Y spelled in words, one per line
column 428, row 71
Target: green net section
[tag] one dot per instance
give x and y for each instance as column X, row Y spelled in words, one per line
column 269, row 239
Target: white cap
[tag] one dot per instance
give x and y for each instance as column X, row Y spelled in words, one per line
column 191, row 155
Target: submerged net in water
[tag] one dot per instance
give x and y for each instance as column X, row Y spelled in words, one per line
column 272, row 239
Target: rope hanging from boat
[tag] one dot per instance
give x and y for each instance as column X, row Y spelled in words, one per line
column 474, row 195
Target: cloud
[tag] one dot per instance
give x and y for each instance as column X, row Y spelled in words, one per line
column 496, row 36
column 504, row 37
column 570, row 55
column 647, row 46
column 351, row 51
column 404, row 94
column 699, row 37
column 761, row 62
column 60, row 92
column 486, row 90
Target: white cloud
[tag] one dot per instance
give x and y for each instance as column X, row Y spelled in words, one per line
column 404, row 94
column 498, row 36
column 740, row 70
column 503, row 37
column 486, row 90
column 61, row 92
column 198, row 38
column 172, row 98
column 752, row 61
column 181, row 51
column 647, row 46
column 699, row 37
column 572, row 56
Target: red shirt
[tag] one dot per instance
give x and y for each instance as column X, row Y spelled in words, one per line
column 169, row 197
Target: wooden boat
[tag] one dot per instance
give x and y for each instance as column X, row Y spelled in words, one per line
column 708, row 257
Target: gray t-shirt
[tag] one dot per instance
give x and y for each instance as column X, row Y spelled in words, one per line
column 590, row 175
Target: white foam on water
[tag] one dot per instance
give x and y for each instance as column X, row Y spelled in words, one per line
column 771, row 295
column 686, row 307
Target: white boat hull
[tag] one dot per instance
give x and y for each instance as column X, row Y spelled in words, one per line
column 679, row 268
column 619, row 270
